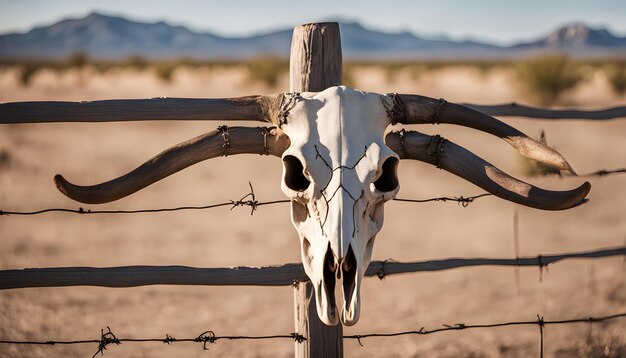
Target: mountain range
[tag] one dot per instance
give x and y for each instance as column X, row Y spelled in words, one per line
column 110, row 37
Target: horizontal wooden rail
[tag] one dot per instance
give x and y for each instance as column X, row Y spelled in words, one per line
column 120, row 110
column 131, row 276
column 518, row 110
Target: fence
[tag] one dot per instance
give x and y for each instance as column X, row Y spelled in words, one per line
column 310, row 71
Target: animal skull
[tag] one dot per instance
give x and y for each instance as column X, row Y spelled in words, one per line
column 339, row 169
column 339, row 173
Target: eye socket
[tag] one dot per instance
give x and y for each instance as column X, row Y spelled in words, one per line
column 388, row 180
column 294, row 176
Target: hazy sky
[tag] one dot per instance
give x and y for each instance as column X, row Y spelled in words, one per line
column 495, row 20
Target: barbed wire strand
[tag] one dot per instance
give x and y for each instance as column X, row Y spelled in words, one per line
column 540, row 322
column 209, row 337
column 600, row 173
column 250, row 200
column 107, row 338
column 247, row 200
column 461, row 200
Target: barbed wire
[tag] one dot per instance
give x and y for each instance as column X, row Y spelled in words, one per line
column 461, row 200
column 598, row 173
column 108, row 337
column 460, row 326
column 540, row 322
column 209, row 337
column 248, row 200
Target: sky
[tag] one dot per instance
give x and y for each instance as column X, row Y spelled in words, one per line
column 498, row 21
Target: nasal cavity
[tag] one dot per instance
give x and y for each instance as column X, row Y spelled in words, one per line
column 349, row 275
column 330, row 266
column 388, row 179
column 294, row 174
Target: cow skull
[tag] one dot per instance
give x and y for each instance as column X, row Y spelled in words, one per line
column 339, row 169
column 338, row 173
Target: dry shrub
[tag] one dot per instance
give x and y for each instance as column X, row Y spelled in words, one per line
column 545, row 78
column 165, row 70
column 77, row 59
column 27, row 72
column 595, row 347
column 616, row 75
column 5, row 158
column 267, row 69
column 136, row 62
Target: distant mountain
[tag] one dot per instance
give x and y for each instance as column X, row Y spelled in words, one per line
column 578, row 39
column 109, row 37
column 362, row 43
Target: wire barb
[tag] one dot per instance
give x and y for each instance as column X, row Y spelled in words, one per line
column 252, row 202
column 106, row 339
column 298, row 337
column 540, row 323
column 206, row 337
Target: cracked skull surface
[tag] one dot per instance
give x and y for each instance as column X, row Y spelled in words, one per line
column 338, row 173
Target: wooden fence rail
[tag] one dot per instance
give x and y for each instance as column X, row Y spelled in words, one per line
column 122, row 110
column 194, row 109
column 285, row 275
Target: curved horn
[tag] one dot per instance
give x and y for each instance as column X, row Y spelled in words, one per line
column 254, row 108
column 224, row 141
column 459, row 161
column 414, row 109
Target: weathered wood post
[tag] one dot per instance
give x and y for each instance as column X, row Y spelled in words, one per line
column 315, row 64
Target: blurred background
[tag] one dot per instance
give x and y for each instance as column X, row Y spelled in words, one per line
column 551, row 54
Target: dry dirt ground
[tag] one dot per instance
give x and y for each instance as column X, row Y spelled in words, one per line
column 90, row 153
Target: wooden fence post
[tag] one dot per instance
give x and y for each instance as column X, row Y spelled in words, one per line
column 315, row 64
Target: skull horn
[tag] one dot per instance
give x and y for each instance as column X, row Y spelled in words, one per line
column 459, row 161
column 222, row 142
column 414, row 109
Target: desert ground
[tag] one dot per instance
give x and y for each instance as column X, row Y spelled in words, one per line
column 91, row 153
